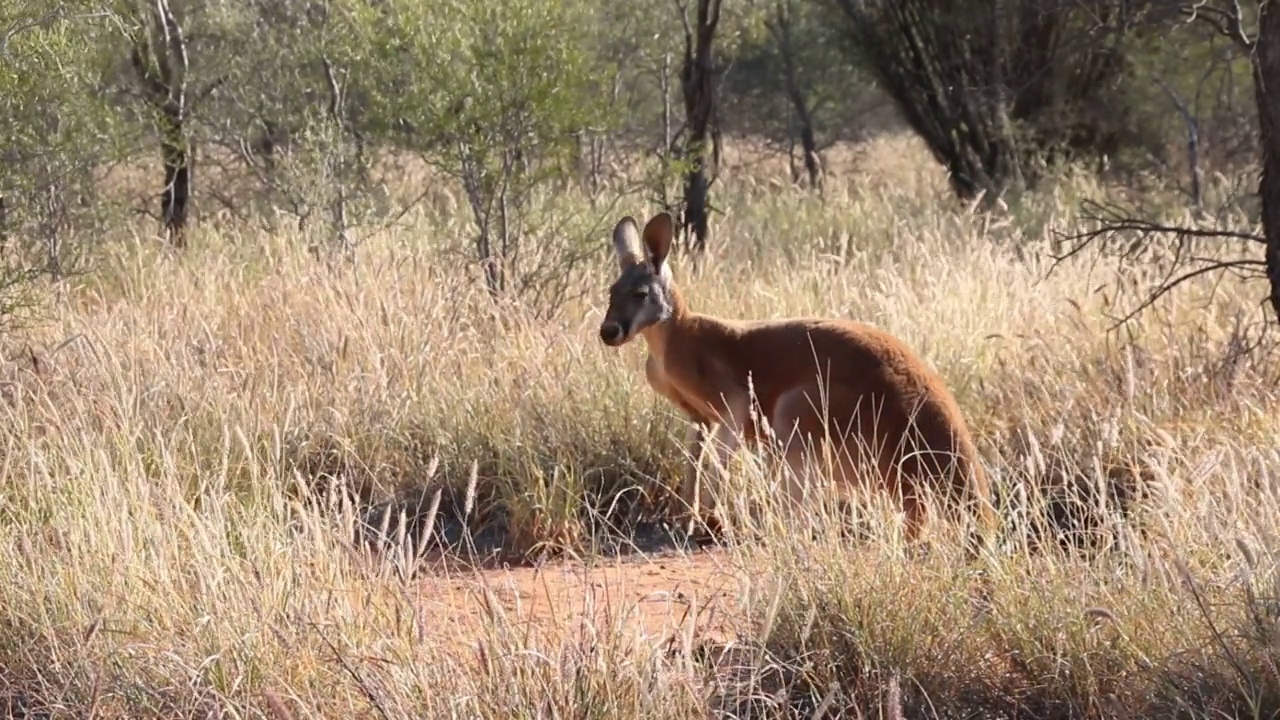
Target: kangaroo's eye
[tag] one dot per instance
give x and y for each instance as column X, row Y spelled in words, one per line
column 640, row 293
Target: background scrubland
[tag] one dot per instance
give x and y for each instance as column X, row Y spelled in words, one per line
column 296, row 293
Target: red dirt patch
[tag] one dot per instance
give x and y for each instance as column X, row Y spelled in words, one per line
column 655, row 597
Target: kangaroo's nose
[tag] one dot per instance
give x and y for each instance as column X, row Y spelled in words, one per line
column 611, row 333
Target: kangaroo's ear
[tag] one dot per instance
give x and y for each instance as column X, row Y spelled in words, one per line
column 626, row 242
column 658, row 234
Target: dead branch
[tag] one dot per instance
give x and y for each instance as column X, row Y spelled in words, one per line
column 1112, row 226
column 1244, row 269
column 21, row 26
column 1114, row 219
column 1193, row 143
column 1229, row 22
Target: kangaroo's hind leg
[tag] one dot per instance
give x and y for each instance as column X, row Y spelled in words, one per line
column 839, row 442
column 814, row 450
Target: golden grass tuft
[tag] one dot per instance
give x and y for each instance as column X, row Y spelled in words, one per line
column 189, row 444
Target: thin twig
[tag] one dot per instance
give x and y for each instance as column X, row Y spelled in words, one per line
column 369, row 694
column 1172, row 283
column 1115, row 224
column 1229, row 23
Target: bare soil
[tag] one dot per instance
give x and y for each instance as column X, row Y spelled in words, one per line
column 654, row 597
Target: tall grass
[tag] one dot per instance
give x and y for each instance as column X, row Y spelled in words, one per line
column 189, row 444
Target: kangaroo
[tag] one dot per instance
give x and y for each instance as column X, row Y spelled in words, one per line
column 895, row 420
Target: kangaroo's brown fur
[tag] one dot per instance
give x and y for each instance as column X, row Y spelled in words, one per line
column 867, row 383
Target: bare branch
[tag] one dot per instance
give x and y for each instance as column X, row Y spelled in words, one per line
column 178, row 62
column 162, row 29
column 688, row 31
column 1257, row 269
column 1114, row 225
column 21, row 26
column 1114, row 220
column 1193, row 143
column 1228, row 22
column 335, row 91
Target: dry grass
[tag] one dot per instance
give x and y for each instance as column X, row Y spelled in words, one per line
column 171, row 438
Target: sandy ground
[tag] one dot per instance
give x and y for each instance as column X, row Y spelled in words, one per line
column 659, row 598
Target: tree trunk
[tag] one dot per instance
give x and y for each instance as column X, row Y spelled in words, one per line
column 698, row 84
column 808, row 139
column 1266, row 79
column 780, row 26
column 177, row 182
column 159, row 57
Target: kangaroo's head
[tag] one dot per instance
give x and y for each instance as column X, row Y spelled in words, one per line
column 644, row 294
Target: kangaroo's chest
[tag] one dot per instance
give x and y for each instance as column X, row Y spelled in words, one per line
column 702, row 390
column 670, row 386
column 656, row 373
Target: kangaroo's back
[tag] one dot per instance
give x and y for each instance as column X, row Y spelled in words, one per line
column 871, row 384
